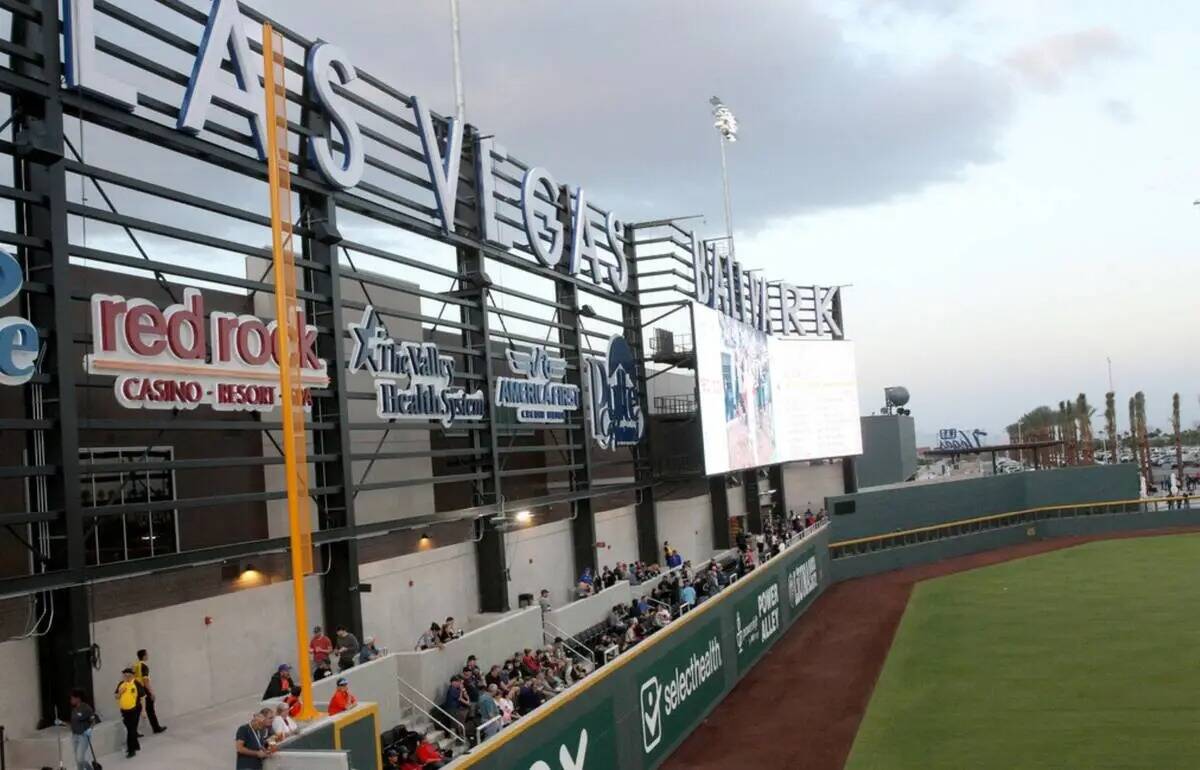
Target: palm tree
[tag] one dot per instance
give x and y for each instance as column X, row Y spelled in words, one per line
column 1083, row 413
column 1133, row 433
column 1143, row 437
column 1110, row 427
column 1175, row 426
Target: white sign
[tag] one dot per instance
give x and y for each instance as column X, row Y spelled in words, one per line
column 539, row 396
column 413, row 381
column 172, row 359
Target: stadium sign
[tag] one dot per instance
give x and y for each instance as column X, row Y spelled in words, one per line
column 802, row 580
column 539, row 396
column 687, row 686
column 172, row 359
column 756, row 621
column 723, row 285
column 19, row 345
column 614, row 407
column 328, row 69
column 427, row 393
column 956, row 438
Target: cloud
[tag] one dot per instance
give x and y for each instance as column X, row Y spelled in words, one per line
column 1119, row 110
column 614, row 96
column 1048, row 63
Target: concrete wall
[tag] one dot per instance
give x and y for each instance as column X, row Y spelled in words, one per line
column 409, row 592
column 373, row 682
column 577, row 616
column 807, row 485
column 737, row 501
column 908, row 506
column 687, row 526
column 21, row 698
column 195, row 665
column 541, row 557
column 617, row 529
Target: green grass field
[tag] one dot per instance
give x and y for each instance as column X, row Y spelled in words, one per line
column 1087, row 657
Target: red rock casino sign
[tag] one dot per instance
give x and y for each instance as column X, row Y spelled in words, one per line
column 174, row 359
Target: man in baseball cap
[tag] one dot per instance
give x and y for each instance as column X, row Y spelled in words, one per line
column 342, row 699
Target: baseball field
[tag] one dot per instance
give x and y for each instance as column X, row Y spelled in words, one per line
column 1087, row 657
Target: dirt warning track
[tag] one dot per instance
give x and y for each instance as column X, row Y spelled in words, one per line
column 800, row 707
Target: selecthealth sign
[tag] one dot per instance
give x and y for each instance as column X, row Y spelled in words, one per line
column 632, row 713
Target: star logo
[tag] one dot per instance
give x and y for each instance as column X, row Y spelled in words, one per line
column 368, row 334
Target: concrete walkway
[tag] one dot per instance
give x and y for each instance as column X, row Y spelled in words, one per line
column 200, row 740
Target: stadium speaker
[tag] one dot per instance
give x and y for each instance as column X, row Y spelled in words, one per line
column 843, row 507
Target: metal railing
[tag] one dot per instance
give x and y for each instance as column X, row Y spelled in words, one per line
column 573, row 645
column 1024, row 517
column 666, row 343
column 684, row 403
column 479, row 730
column 437, row 715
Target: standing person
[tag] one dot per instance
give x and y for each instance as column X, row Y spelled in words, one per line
column 82, row 719
column 141, row 675
column 250, row 745
column 129, row 701
column 320, row 646
column 347, row 648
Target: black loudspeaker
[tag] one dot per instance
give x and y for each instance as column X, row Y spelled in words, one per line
column 843, row 507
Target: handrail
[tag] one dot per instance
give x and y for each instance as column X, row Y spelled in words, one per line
column 1141, row 503
column 568, row 640
column 459, row 735
column 479, row 729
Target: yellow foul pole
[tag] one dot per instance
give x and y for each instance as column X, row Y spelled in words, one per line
column 288, row 332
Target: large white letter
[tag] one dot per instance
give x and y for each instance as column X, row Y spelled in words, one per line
column 443, row 171
column 704, row 288
column 224, row 32
column 539, row 179
column 79, row 18
column 486, row 154
column 347, row 173
column 583, row 245
column 618, row 274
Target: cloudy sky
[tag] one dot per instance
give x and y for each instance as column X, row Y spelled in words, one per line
column 1007, row 185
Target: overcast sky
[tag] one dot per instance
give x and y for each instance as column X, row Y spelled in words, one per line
column 1007, row 186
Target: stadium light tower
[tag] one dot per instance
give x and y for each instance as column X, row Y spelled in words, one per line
column 727, row 127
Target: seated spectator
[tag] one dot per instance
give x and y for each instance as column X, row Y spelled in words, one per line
column 633, row 634
column 493, row 677
column 529, row 663
column 428, row 755
column 509, row 672
column 469, row 684
column 293, row 702
column 431, row 638
column 402, row 759
column 473, row 665
column 616, row 618
column 322, row 670
column 586, row 577
column 504, row 701
column 343, row 699
column 662, row 617
column 578, row 671
column 283, row 726
column 456, row 703
column 674, row 559
column 528, row 697
column 583, row 590
column 621, row 572
column 369, row 651
column 544, row 600
column 488, row 710
column 449, row 632
column 280, row 684
column 607, row 578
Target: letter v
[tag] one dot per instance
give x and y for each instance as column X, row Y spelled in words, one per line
column 443, row 171
column 574, row 763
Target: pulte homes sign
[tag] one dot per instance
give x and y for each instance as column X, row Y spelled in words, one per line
column 632, row 713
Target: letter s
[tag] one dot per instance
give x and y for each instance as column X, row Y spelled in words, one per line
column 347, row 173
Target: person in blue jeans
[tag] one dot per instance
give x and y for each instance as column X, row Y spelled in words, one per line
column 82, row 719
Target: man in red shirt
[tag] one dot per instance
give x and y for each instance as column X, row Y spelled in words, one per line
column 321, row 646
column 342, row 699
column 428, row 755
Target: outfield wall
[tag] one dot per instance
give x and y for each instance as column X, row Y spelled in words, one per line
column 635, row 711
column 924, row 504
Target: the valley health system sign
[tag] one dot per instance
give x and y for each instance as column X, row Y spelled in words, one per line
column 18, row 338
column 539, row 396
column 614, row 407
column 427, row 392
column 172, row 359
column 328, row 67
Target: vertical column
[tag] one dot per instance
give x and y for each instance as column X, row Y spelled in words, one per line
column 643, row 463
column 753, row 501
column 340, row 599
column 491, row 561
column 775, row 479
column 64, row 652
column 849, row 476
column 719, row 502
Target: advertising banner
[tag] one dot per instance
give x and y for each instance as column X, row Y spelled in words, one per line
column 767, row 400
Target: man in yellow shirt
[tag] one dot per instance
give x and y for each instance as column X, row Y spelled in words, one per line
column 129, row 701
column 141, row 675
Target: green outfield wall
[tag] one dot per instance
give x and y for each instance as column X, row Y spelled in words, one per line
column 632, row 713
column 909, row 506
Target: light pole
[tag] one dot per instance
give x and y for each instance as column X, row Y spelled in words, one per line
column 460, row 102
column 727, row 126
